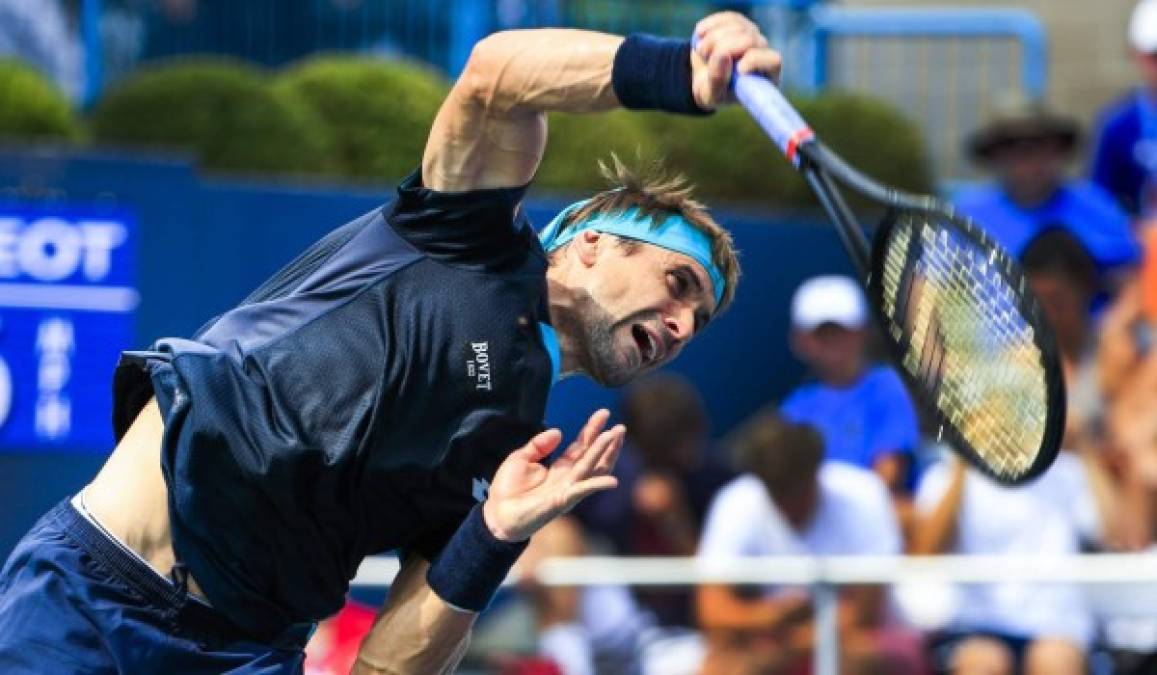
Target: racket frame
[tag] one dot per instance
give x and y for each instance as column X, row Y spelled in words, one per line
column 823, row 169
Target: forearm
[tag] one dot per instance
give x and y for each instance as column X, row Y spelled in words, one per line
column 416, row 631
column 936, row 531
column 720, row 609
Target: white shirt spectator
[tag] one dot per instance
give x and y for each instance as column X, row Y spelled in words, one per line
column 854, row 517
column 1048, row 516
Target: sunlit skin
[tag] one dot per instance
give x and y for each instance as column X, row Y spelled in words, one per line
column 1066, row 306
column 835, row 353
column 1147, row 64
column 621, row 311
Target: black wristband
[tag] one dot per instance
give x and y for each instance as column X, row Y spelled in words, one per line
column 652, row 73
column 472, row 565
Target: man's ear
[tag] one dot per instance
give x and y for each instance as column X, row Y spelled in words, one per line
column 588, row 243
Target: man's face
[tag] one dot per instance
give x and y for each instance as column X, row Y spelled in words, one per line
column 834, row 352
column 1147, row 64
column 1066, row 306
column 1031, row 170
column 639, row 306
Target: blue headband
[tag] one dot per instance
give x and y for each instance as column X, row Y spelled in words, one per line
column 673, row 233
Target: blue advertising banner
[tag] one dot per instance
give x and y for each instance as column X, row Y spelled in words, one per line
column 67, row 301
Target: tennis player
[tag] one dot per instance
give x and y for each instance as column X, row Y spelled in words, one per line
column 386, row 390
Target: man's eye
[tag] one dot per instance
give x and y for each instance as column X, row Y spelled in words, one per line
column 680, row 283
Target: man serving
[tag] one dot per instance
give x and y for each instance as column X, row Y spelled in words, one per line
column 385, row 391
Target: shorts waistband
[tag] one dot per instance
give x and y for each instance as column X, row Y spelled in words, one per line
column 191, row 615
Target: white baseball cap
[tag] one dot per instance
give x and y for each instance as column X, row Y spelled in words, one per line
column 1143, row 27
column 828, row 299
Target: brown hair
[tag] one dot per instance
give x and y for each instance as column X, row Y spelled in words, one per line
column 781, row 454
column 658, row 193
column 659, row 411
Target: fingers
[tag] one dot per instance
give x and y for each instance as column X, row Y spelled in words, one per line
column 585, row 488
column 726, row 39
column 541, row 445
column 763, row 61
column 589, row 432
column 734, row 43
column 594, row 425
column 721, row 19
column 599, row 459
column 606, row 462
column 719, row 75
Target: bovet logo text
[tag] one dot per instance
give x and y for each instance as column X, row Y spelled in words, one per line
column 478, row 367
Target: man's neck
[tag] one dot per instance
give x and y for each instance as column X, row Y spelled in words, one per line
column 564, row 319
column 1032, row 199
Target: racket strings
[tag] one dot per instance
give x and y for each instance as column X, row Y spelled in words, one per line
column 965, row 340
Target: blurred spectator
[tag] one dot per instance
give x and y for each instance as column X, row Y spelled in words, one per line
column 1125, row 158
column 1127, row 369
column 1037, row 629
column 667, row 476
column 39, row 32
column 863, row 410
column 598, row 630
column 1064, row 278
column 793, row 503
column 334, row 646
column 1028, row 148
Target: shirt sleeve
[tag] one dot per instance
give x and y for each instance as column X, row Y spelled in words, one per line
column 895, row 427
column 727, row 530
column 793, row 406
column 482, row 230
column 932, row 487
column 1112, row 166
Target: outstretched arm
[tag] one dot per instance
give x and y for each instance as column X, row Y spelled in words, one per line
column 425, row 624
column 491, row 130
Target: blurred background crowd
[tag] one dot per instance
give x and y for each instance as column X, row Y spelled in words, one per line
column 834, row 459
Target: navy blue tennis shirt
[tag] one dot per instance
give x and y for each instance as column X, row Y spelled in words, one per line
column 357, row 402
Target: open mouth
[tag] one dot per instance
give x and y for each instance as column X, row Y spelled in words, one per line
column 645, row 341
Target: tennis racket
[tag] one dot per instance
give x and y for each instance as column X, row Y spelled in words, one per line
column 955, row 308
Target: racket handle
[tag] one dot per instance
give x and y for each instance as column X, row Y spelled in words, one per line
column 771, row 109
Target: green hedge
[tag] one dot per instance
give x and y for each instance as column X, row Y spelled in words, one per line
column 729, row 158
column 369, row 119
column 224, row 111
column 31, row 107
column 376, row 112
column 576, row 143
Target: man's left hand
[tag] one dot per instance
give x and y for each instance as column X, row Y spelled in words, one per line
column 525, row 494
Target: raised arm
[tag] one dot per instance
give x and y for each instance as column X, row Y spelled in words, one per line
column 491, row 130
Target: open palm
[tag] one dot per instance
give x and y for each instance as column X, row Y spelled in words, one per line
column 526, row 494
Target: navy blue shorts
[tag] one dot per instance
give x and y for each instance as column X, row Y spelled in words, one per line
column 72, row 600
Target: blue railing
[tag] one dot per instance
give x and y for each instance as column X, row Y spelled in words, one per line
column 120, row 33
column 945, row 23
column 946, row 67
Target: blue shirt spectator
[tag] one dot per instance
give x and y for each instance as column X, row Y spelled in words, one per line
column 1124, row 160
column 1028, row 148
column 862, row 411
column 860, row 423
column 1079, row 207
